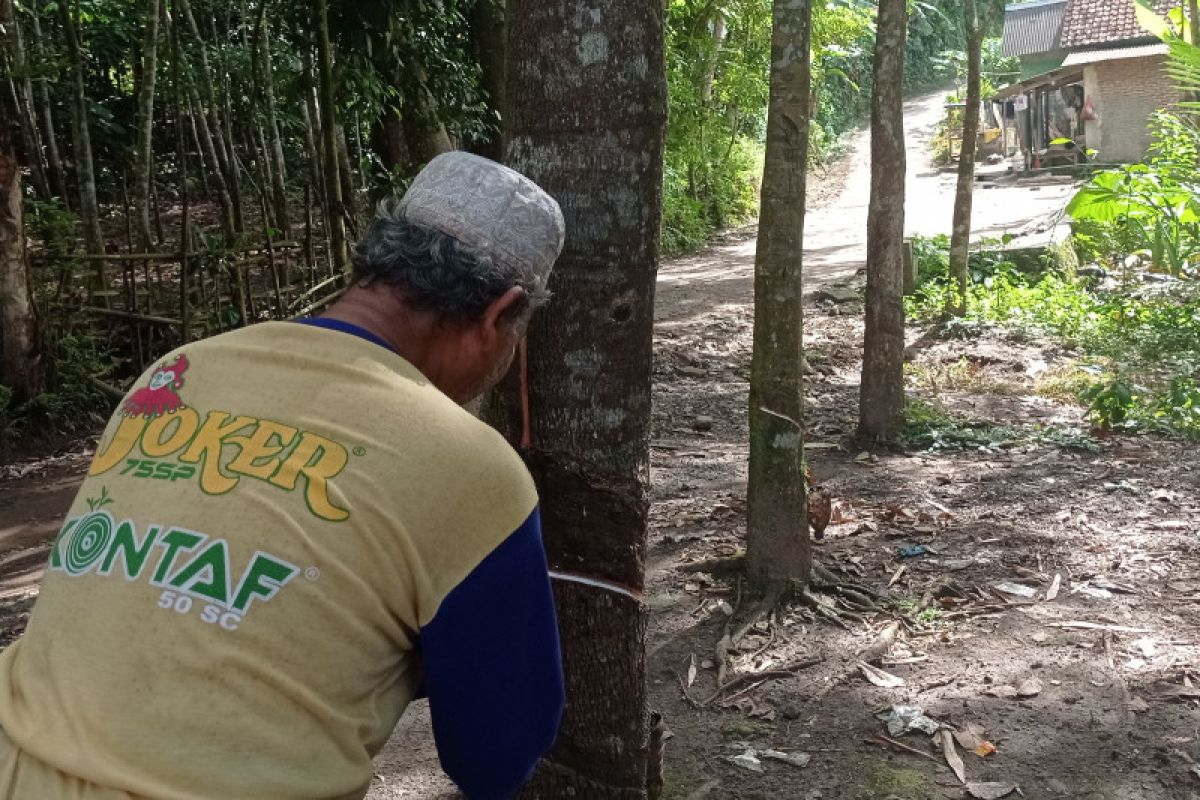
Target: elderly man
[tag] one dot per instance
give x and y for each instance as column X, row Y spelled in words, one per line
column 290, row 531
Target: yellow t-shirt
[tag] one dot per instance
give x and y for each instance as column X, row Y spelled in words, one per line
column 231, row 607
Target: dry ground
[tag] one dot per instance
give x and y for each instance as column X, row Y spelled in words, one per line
column 1115, row 715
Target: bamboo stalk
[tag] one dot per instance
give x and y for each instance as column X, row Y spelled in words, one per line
column 116, row 314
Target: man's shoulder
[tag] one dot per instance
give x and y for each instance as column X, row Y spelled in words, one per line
column 471, row 447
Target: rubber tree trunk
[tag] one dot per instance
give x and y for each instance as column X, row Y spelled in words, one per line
column 881, row 397
column 18, row 331
column 89, row 209
column 487, row 36
column 143, row 156
column 593, row 138
column 335, row 208
column 777, row 532
column 58, row 179
column 960, row 237
column 278, row 167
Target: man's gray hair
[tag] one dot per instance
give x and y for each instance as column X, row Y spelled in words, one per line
column 436, row 272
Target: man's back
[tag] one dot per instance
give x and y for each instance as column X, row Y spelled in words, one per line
column 267, row 525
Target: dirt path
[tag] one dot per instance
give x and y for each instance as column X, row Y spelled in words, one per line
column 1113, row 719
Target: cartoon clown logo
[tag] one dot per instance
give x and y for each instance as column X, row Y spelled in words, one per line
column 161, row 396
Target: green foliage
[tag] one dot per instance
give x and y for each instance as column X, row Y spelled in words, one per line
column 718, row 87
column 72, row 401
column 1142, row 345
column 928, row 427
column 1151, row 209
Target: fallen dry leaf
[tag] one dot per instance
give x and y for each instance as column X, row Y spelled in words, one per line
column 951, row 755
column 691, row 671
column 1030, row 687
column 991, row 790
column 884, row 680
column 969, row 736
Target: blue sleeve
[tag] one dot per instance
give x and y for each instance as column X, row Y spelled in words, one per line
column 493, row 670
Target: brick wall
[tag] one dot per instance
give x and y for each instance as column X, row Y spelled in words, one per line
column 1125, row 93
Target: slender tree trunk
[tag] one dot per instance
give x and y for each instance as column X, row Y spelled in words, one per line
column 346, row 173
column 21, row 88
column 312, row 136
column 234, row 177
column 960, row 239
column 777, row 532
column 312, row 126
column 18, row 324
column 143, row 158
column 216, row 129
column 185, row 234
column 89, row 210
column 424, row 132
column 58, row 179
column 881, row 400
column 278, row 168
column 329, row 126
column 1194, row 20
column 487, row 35
column 208, row 147
column 589, row 359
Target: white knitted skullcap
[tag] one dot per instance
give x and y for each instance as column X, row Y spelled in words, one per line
column 489, row 207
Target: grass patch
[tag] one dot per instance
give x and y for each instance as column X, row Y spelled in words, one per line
column 742, row 729
column 1139, row 337
column 884, row 781
column 931, row 428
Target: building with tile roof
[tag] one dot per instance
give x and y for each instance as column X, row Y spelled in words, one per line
column 1090, row 73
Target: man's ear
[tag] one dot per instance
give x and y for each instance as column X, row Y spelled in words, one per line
column 497, row 315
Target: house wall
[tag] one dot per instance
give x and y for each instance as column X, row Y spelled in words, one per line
column 1125, row 93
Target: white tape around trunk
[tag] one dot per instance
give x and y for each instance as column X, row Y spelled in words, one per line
column 597, row 583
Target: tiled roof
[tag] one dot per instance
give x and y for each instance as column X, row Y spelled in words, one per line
column 1097, row 22
column 1032, row 28
column 1081, row 57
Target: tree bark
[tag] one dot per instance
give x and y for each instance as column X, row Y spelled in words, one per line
column 58, row 179
column 777, row 532
column 221, row 156
column 1194, row 20
column 346, row 173
column 21, row 87
column 335, row 209
column 387, row 139
column 881, row 399
column 487, row 35
column 593, row 138
column 208, row 146
column 278, row 167
column 143, row 157
column 960, row 238
column 89, row 210
column 424, row 132
column 18, row 329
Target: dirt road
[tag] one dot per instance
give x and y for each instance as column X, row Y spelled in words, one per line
column 835, row 227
